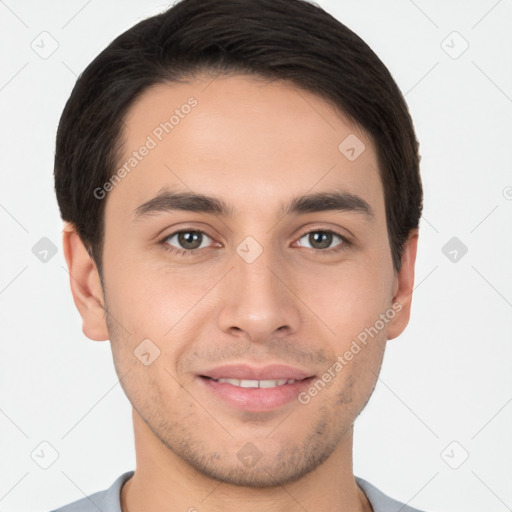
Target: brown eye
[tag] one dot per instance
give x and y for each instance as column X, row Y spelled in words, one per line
column 188, row 240
column 321, row 240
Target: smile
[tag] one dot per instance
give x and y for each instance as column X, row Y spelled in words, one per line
column 243, row 383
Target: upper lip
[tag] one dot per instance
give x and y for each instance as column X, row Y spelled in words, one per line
column 248, row 372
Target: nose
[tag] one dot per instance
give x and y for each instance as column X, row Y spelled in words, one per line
column 258, row 299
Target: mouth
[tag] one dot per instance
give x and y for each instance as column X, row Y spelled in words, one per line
column 253, row 389
column 249, row 383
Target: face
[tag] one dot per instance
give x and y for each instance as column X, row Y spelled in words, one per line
column 217, row 304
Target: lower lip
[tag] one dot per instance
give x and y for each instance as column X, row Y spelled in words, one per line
column 256, row 399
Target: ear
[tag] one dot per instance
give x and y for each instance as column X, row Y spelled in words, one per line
column 403, row 287
column 85, row 285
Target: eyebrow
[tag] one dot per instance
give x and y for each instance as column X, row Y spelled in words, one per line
column 168, row 200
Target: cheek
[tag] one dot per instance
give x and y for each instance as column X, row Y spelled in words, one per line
column 159, row 305
column 347, row 298
column 154, row 298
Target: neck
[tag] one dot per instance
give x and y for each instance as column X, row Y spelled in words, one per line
column 163, row 482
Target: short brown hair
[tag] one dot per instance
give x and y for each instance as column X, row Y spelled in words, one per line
column 293, row 40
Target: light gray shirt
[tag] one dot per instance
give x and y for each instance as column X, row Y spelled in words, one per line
column 110, row 499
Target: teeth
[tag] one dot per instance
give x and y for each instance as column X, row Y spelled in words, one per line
column 256, row 383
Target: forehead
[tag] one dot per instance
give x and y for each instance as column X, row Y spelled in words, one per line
column 249, row 140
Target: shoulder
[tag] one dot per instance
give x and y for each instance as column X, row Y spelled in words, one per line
column 381, row 502
column 108, row 500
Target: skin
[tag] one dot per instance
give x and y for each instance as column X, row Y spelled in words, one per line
column 256, row 145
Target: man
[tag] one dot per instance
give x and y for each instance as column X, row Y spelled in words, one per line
column 240, row 185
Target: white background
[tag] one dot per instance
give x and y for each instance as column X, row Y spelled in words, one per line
column 447, row 378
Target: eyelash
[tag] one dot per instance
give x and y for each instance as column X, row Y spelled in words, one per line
column 345, row 243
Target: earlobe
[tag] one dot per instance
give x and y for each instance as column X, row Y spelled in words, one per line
column 85, row 285
column 403, row 287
